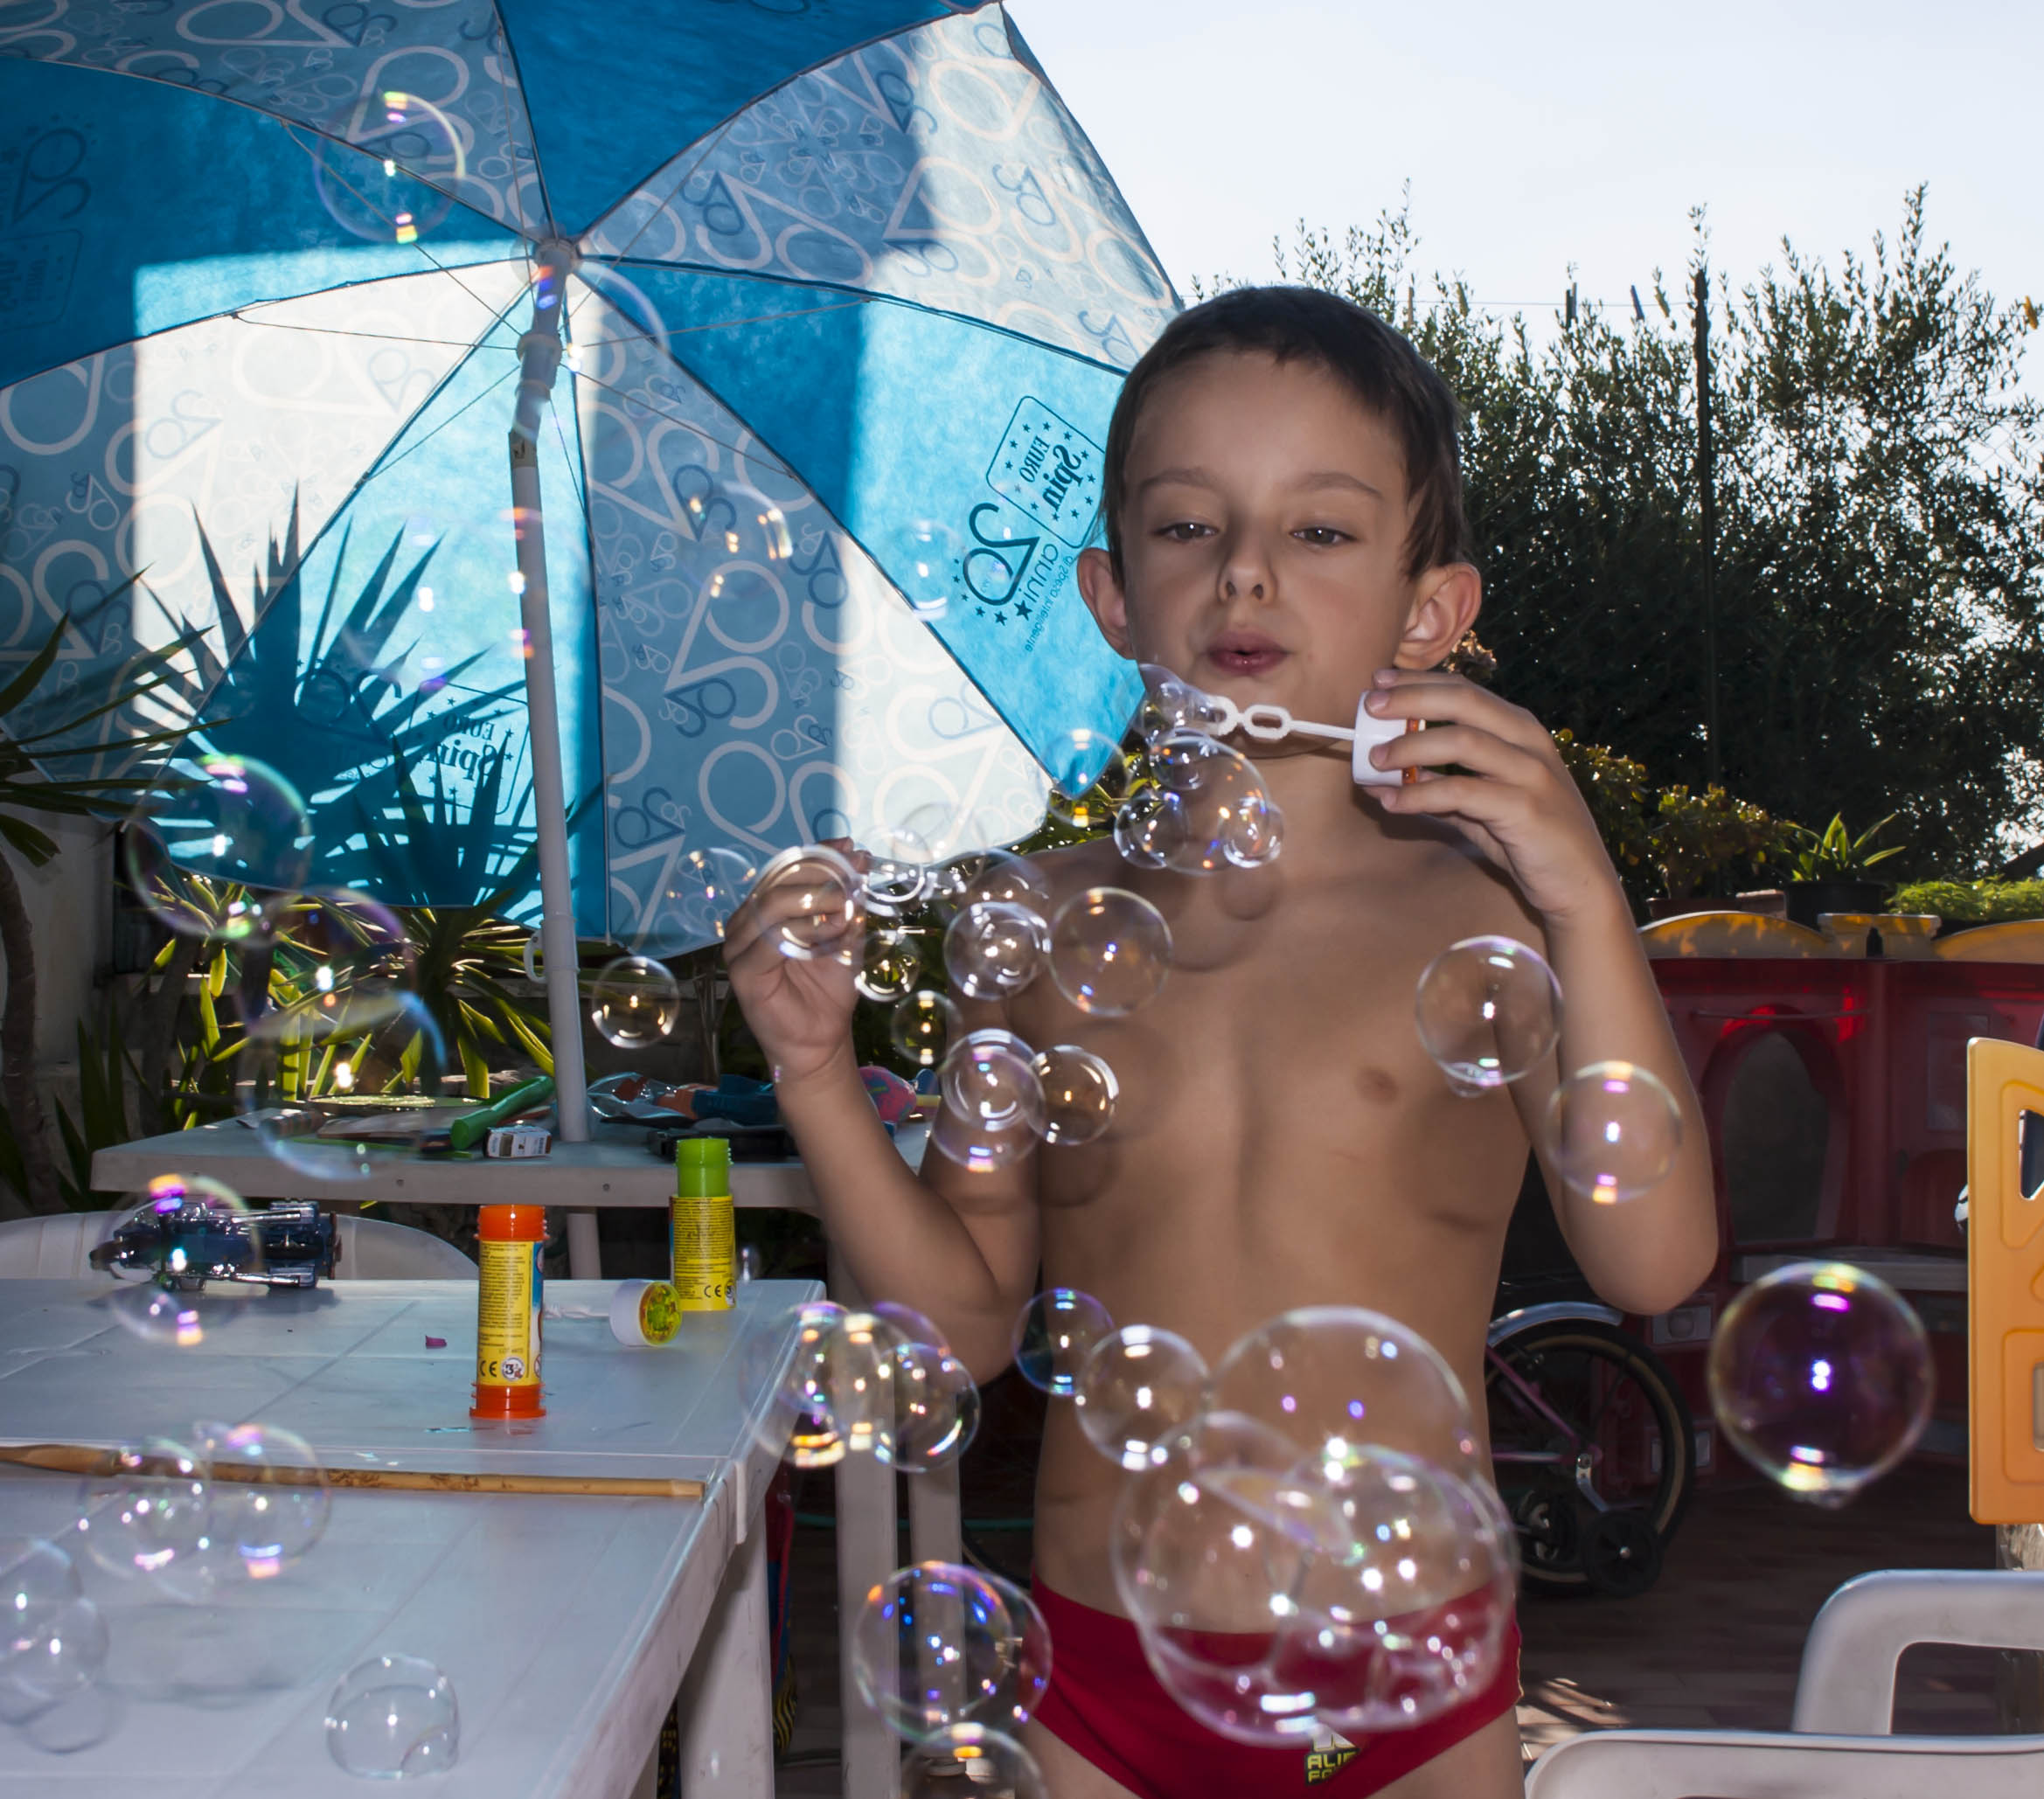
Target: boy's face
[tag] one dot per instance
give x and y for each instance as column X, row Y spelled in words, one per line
column 1263, row 542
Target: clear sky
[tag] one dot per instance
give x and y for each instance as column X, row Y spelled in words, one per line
column 1534, row 136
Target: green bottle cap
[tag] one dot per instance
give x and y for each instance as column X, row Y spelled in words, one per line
column 702, row 1168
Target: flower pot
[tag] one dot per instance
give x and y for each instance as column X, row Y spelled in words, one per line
column 1807, row 899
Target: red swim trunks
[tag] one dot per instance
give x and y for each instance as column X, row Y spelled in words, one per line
column 1105, row 1703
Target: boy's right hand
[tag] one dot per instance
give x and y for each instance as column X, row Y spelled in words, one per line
column 800, row 1010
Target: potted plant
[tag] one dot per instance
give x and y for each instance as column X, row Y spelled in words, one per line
column 1830, row 869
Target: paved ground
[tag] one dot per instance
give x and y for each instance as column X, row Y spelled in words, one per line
column 1716, row 1644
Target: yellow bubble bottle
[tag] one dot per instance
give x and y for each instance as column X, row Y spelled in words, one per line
column 701, row 1237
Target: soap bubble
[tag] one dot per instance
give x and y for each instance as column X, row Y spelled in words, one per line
column 1079, row 1095
column 270, row 1495
column 936, row 1407
column 935, row 1644
column 800, row 1423
column 52, row 1639
column 837, row 1397
column 340, row 960
column 979, row 1148
column 1170, row 705
column 1205, row 808
column 1821, row 1376
column 395, row 185
column 1489, row 1010
column 997, row 875
column 635, row 1002
column 923, row 1027
column 811, row 898
column 392, row 1718
column 330, row 1101
column 990, row 1080
column 184, row 1232
column 897, row 872
column 1053, row 1334
column 903, row 1323
column 216, row 822
column 1088, row 779
column 1138, row 1388
column 969, row 1758
column 1110, row 951
column 931, row 571
column 889, row 969
column 707, row 887
column 152, row 1513
column 992, row 948
column 1330, row 1377
column 1613, row 1130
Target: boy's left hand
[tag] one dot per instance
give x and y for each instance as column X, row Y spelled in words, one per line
column 1512, row 797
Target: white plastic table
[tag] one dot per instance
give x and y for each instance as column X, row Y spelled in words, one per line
column 566, row 1624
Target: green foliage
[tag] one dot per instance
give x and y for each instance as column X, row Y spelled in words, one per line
column 1833, row 854
column 104, row 1071
column 1695, row 836
column 1971, row 902
column 1879, row 564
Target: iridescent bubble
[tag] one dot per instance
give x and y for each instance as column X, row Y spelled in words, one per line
column 936, row 1407
column 330, row 1100
column 176, row 1249
column 387, row 169
column 810, row 900
column 340, row 960
column 1140, row 1387
column 153, row 1513
column 635, row 1002
column 935, row 1644
column 1820, row 1375
column 1170, row 705
column 1090, row 779
column 922, row 1028
column 802, row 1422
column 270, row 1501
column 1331, row 1378
column 990, row 1080
column 977, row 875
column 932, row 570
column 1208, row 807
column 969, row 1758
column 889, row 969
column 1148, row 826
column 1079, row 1095
column 394, row 1717
column 897, row 872
column 1613, row 1130
column 993, row 948
column 1489, row 1011
column 217, row 823
column 52, row 1639
column 1053, row 1334
column 977, row 1148
column 707, row 887
column 1110, row 951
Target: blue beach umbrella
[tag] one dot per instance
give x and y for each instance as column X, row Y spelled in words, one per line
column 801, row 320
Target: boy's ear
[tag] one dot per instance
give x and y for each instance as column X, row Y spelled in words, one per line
column 1101, row 588
column 1444, row 609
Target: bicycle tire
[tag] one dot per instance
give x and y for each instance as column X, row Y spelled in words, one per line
column 1635, row 1365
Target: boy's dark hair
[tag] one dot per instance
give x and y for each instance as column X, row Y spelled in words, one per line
column 1377, row 364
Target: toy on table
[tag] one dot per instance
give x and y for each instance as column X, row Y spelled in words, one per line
column 290, row 1244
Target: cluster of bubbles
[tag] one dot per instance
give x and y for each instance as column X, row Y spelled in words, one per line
column 1304, row 1539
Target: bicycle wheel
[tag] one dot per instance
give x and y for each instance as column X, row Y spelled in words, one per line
column 1584, row 1419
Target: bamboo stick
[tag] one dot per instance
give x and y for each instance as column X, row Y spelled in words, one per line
column 81, row 1459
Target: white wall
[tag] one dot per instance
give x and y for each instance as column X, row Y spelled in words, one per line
column 70, row 906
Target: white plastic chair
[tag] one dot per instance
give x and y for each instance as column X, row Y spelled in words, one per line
column 1841, row 1747
column 374, row 1249
column 52, row 1248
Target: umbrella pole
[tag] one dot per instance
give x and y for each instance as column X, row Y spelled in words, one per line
column 539, row 355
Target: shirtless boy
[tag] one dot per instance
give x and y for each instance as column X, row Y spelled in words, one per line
column 1284, row 523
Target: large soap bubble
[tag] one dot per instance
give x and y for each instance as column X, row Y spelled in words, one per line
column 1613, row 1130
column 990, row 1080
column 1110, row 951
column 176, row 1249
column 389, row 167
column 394, row 1717
column 889, row 969
column 1820, row 1375
column 1080, row 1092
column 52, row 1639
column 1138, row 1388
column 812, row 900
column 1053, row 1334
column 1489, row 1011
column 936, row 1407
column 1206, row 807
column 935, row 1644
column 217, row 823
column 977, row 1147
column 270, row 1502
column 923, row 1027
column 153, row 1515
column 993, row 948
column 707, row 887
column 1330, row 1378
column 635, row 1003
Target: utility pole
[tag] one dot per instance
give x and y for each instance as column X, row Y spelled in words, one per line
column 1706, row 489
